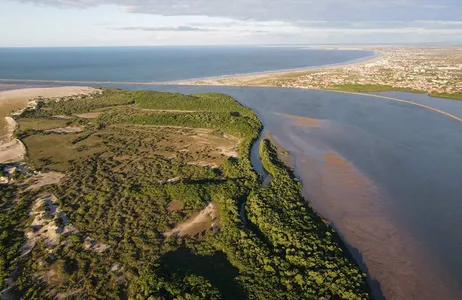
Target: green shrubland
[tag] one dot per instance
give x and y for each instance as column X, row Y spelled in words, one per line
column 122, row 172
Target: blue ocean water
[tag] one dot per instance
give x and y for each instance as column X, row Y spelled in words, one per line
column 148, row 64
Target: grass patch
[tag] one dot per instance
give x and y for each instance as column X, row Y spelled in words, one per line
column 40, row 123
column 369, row 88
column 455, row 96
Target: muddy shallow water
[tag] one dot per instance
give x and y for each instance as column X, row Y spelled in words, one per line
column 387, row 175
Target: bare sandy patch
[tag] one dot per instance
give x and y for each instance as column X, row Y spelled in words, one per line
column 12, row 125
column 175, row 205
column 69, row 129
column 225, row 144
column 11, row 150
column 95, row 246
column 43, row 179
column 166, row 110
column 49, row 222
column 45, row 226
column 62, row 117
column 203, row 164
column 90, row 115
column 206, row 219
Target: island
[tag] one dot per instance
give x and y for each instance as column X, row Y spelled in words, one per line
column 152, row 195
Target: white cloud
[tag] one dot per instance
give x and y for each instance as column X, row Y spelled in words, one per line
column 284, row 10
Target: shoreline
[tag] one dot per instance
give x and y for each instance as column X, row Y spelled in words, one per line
column 192, row 81
column 375, row 55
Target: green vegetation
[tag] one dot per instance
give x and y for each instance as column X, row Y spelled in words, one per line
column 144, row 152
column 41, row 124
column 369, row 88
column 12, row 217
column 455, row 96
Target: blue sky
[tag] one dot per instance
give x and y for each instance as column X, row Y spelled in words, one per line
column 227, row 22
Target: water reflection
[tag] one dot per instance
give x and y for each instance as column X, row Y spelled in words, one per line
column 359, row 209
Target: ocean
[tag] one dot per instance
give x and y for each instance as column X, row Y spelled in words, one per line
column 160, row 64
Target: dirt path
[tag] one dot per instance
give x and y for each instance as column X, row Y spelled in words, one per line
column 69, row 129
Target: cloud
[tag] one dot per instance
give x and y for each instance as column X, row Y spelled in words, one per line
column 163, row 28
column 187, row 28
column 425, row 25
column 294, row 21
column 284, row 10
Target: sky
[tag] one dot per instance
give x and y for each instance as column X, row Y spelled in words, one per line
column 51, row 23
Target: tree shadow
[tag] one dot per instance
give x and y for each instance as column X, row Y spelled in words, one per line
column 215, row 268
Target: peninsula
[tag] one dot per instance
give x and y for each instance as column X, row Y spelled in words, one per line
column 136, row 194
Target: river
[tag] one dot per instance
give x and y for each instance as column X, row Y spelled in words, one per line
column 386, row 174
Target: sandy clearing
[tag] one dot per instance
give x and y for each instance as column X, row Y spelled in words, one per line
column 167, row 110
column 44, row 226
column 12, row 125
column 69, row 129
column 203, row 164
column 90, row 115
column 43, row 179
column 175, row 205
column 226, row 144
column 62, row 117
column 95, row 246
column 11, row 150
column 227, row 151
column 206, row 219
